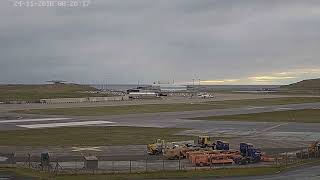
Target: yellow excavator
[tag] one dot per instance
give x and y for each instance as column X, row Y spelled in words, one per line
column 179, row 151
column 175, row 151
column 156, row 148
column 205, row 142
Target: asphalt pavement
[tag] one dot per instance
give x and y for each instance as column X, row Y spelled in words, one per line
column 306, row 173
column 265, row 134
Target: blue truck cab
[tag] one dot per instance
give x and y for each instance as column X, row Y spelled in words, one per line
column 250, row 152
column 222, row 145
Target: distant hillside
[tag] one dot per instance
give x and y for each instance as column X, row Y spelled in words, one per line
column 33, row 93
column 310, row 84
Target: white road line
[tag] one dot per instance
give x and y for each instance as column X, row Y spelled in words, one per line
column 255, row 107
column 257, row 132
column 273, row 127
column 78, row 149
column 284, row 109
column 82, row 123
column 33, row 120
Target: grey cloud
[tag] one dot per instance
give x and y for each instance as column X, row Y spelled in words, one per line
column 130, row 40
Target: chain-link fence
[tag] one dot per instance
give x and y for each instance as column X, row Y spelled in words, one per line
column 145, row 165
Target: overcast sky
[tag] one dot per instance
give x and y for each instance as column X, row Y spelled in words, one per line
column 123, row 41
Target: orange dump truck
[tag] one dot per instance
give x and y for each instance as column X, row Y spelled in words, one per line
column 265, row 158
column 206, row 158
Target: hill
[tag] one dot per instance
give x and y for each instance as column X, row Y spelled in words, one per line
column 305, row 87
column 33, row 93
column 309, row 84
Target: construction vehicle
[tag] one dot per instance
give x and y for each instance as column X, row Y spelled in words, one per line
column 249, row 154
column 222, row 145
column 205, row 153
column 313, row 151
column 178, row 150
column 212, row 157
column 156, row 148
column 205, row 142
column 175, row 152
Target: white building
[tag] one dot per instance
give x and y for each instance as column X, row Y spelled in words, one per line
column 170, row 87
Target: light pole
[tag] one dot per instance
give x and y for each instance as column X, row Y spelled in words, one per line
column 192, row 88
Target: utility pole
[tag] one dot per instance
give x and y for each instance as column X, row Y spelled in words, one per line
column 106, row 85
column 192, row 87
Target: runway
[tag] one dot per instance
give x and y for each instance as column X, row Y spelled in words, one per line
column 265, row 134
column 271, row 137
column 167, row 119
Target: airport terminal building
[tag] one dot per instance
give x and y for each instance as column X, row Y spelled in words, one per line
column 157, row 90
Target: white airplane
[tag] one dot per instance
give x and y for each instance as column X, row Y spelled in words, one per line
column 205, row 96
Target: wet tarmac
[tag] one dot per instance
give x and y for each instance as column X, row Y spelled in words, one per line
column 271, row 136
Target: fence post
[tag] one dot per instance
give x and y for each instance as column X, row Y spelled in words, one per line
column 41, row 165
column 75, row 166
column 29, row 160
column 130, row 166
column 286, row 159
column 162, row 164
column 147, row 164
column 112, row 166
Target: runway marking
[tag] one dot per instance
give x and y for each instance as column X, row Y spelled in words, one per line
column 51, row 125
column 33, row 120
column 255, row 107
column 78, row 149
column 256, row 132
column 273, row 127
column 284, row 109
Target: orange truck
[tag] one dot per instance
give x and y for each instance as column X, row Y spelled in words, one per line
column 206, row 158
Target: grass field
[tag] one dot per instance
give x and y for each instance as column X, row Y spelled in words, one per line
column 152, row 108
column 305, row 116
column 25, row 173
column 308, row 84
column 152, row 175
column 91, row 136
column 33, row 93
